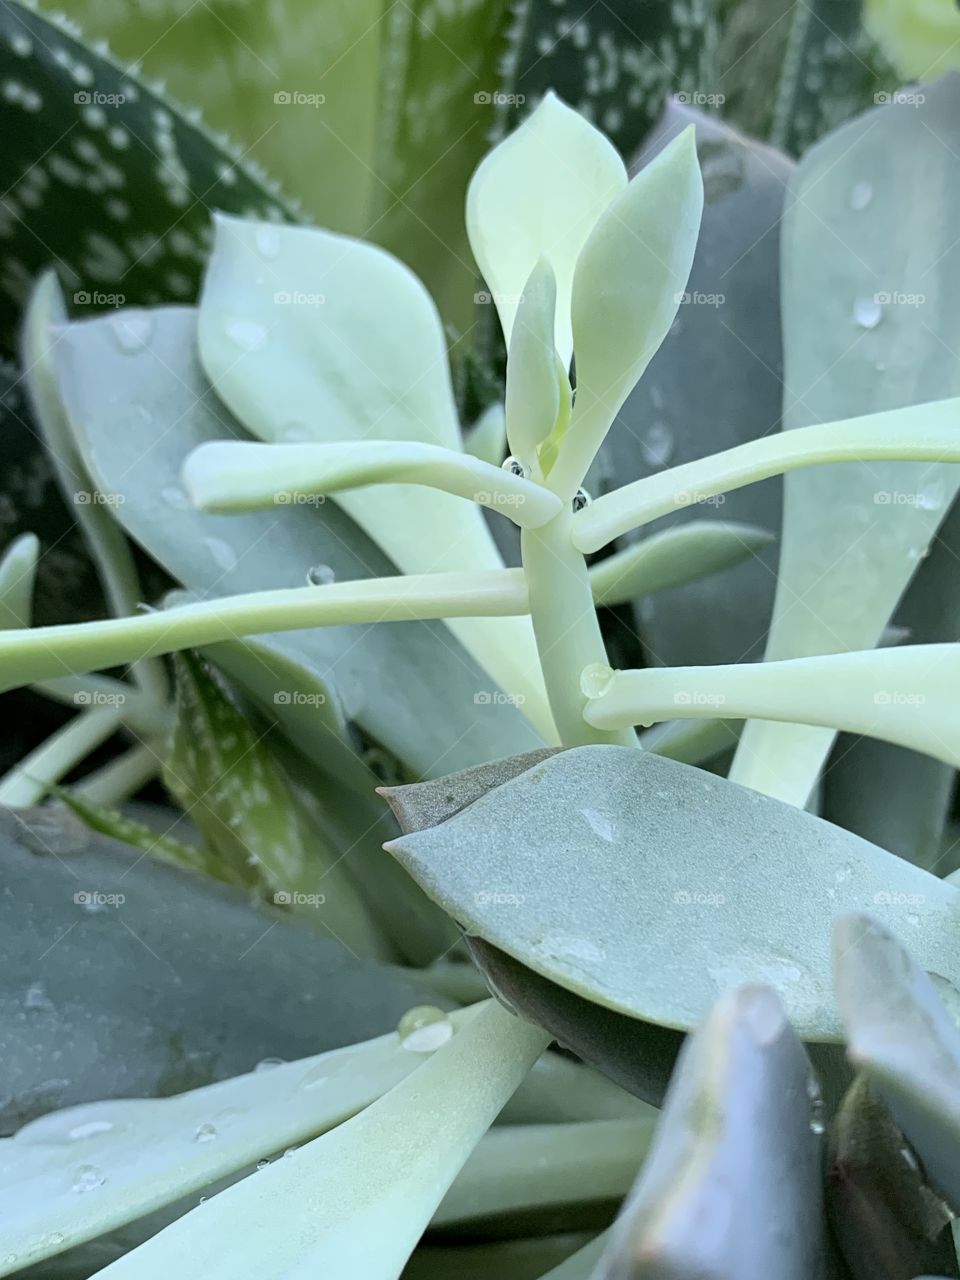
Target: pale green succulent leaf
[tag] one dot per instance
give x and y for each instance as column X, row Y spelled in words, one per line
column 533, row 396
column 18, row 573
column 908, row 695
column 538, row 194
column 627, row 289
column 356, row 1201
column 711, row 896
column 735, row 1132
column 487, row 438
column 901, row 1035
column 75, row 1174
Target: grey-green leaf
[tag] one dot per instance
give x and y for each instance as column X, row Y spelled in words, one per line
column 731, row 1189
column 649, row 887
column 901, row 1036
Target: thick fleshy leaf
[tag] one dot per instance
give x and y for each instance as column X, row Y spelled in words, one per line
column 147, row 980
column 76, row 1174
column 212, row 555
column 538, row 194
column 904, row 1040
column 732, row 1188
column 728, row 329
column 355, row 1201
column 887, row 1220
column 18, row 574
column 710, row 909
column 533, row 394
column 627, row 288
column 871, row 283
column 310, row 336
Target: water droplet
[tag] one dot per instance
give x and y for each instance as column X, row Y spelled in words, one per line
column 175, row 497
column 424, row 1029
column 55, row 1238
column 132, row 330
column 860, row 196
column 763, row 1014
column 248, row 334
column 10, row 1260
column 89, row 1129
column 581, row 499
column 867, row 312
column 289, row 1153
column 514, row 466
column 267, row 239
column 269, row 1064
column 596, row 679
column 205, row 1133
column 843, row 873
column 657, row 445
column 815, row 1105
column 263, row 1164
column 321, row 575
column 222, row 552
column 37, row 998
column 87, row 1178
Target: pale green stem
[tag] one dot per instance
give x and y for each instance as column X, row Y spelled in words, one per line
column 122, row 778
column 27, row 781
column 225, row 476
column 909, row 696
column 921, row 433
column 566, row 627
column 141, row 711
column 523, row 1167
column 44, row 652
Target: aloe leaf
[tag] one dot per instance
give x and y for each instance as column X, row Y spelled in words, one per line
column 222, row 773
column 105, row 177
column 728, row 327
column 309, row 336
column 673, row 558
column 356, row 1200
column 18, row 575
column 627, row 286
column 900, row 1035
column 79, row 1173
column 740, row 1129
column 715, row 859
column 864, row 331
column 887, row 1220
column 217, row 555
column 220, row 984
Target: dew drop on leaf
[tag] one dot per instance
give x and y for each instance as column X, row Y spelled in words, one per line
column 424, row 1029
column 321, row 575
column 867, row 312
column 88, row 1178
column 205, row 1133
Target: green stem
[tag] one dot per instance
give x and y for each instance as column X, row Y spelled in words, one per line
column 920, row 433
column 28, row 781
column 566, row 627
column 122, row 778
column 44, row 652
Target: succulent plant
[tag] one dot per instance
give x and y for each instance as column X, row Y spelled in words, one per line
column 423, row 841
